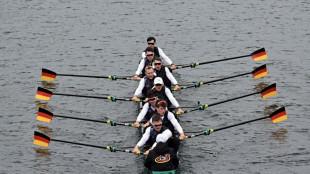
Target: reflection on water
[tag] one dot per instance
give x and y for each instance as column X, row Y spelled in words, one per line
column 48, row 85
column 42, row 160
column 259, row 87
column 280, row 135
column 46, row 130
column 270, row 109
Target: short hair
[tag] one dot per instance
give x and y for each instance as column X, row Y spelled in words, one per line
column 158, row 59
column 149, row 49
column 148, row 67
column 151, row 38
column 161, row 103
column 150, row 94
column 156, row 117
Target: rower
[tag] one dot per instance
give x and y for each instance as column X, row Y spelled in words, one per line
column 147, row 61
column 168, row 118
column 148, row 110
column 164, row 93
column 151, row 41
column 146, row 84
column 165, row 74
column 152, row 132
column 162, row 157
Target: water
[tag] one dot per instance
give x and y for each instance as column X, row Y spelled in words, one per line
column 106, row 38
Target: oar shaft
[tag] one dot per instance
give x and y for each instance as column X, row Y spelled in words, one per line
column 97, row 97
column 212, row 81
column 84, row 119
column 213, row 61
column 224, row 101
column 90, row 76
column 81, row 144
column 75, row 75
column 238, row 124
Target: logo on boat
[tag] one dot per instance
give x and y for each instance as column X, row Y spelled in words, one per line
column 163, row 158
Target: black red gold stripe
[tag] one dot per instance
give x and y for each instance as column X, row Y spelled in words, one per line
column 259, row 54
column 48, row 75
column 43, row 94
column 278, row 115
column 44, row 115
column 41, row 139
column 260, row 72
column 269, row 91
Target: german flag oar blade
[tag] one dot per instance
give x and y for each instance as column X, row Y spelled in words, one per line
column 260, row 72
column 269, row 91
column 41, row 139
column 259, row 54
column 44, row 115
column 48, row 75
column 43, row 94
column 278, row 115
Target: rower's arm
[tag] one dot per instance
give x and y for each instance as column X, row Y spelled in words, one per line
column 175, row 123
column 164, row 56
column 170, row 76
column 143, row 112
column 171, row 98
column 138, row 91
column 145, row 137
column 140, row 67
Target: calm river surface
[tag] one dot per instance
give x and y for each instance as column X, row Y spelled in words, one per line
column 107, row 38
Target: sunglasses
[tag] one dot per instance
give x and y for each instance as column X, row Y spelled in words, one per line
column 157, row 125
column 150, row 43
column 157, row 63
column 150, row 55
column 158, row 84
column 151, row 99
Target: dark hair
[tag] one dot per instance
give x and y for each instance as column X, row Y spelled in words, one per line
column 148, row 67
column 158, row 59
column 151, row 38
column 150, row 94
column 156, row 117
column 161, row 103
column 149, row 49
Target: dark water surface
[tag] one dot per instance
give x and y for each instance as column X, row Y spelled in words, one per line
column 107, row 37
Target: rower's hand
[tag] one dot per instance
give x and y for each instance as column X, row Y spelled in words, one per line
column 136, row 150
column 182, row 136
column 134, row 98
column 135, row 77
column 180, row 111
column 146, row 153
column 146, row 125
column 136, row 124
column 173, row 66
column 176, row 88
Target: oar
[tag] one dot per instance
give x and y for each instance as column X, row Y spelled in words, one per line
column 266, row 92
column 46, row 116
column 277, row 116
column 43, row 140
column 256, row 55
column 49, row 75
column 257, row 73
column 44, row 94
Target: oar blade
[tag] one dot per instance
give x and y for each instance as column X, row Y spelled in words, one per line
column 269, row 91
column 43, row 94
column 259, row 54
column 260, row 72
column 44, row 115
column 48, row 75
column 41, row 139
column 278, row 115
